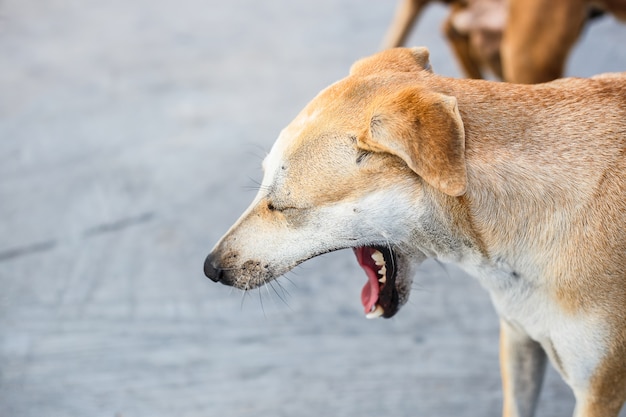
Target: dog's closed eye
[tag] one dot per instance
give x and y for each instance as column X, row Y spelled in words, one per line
column 362, row 156
column 275, row 207
column 281, row 209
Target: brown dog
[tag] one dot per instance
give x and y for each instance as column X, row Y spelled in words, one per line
column 522, row 186
column 520, row 41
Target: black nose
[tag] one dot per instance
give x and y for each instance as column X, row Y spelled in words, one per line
column 211, row 271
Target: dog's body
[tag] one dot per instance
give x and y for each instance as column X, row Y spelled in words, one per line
column 520, row 41
column 522, row 186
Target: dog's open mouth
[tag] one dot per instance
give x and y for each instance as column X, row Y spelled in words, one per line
column 379, row 295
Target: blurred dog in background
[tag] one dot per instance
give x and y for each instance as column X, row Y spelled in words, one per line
column 519, row 41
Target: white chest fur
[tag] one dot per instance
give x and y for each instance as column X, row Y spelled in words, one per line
column 574, row 342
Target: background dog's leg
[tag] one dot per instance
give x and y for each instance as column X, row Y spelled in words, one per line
column 405, row 16
column 523, row 364
column 461, row 46
column 538, row 38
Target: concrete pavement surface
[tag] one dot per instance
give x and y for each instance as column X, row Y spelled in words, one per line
column 131, row 136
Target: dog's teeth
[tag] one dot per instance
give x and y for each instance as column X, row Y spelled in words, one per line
column 378, row 258
column 378, row 311
column 383, row 275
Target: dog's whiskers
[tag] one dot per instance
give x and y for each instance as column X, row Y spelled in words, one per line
column 258, row 148
column 292, row 283
column 262, row 305
column 244, row 294
column 280, row 297
column 256, row 187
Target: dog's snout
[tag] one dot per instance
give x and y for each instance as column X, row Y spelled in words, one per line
column 212, row 272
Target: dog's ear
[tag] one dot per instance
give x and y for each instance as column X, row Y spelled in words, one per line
column 425, row 130
column 396, row 59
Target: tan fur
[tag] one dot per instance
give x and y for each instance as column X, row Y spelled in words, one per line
column 522, row 186
column 519, row 41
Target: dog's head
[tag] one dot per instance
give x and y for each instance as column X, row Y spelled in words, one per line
column 353, row 170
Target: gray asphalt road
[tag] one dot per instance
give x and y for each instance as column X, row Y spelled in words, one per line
column 131, row 135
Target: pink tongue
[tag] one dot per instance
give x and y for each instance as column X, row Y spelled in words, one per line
column 369, row 294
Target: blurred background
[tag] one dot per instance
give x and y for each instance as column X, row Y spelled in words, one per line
column 131, row 138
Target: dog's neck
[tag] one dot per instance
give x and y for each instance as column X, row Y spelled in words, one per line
column 525, row 189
